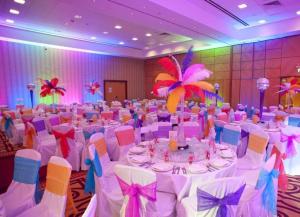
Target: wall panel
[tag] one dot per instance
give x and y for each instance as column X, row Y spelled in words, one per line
column 22, row 64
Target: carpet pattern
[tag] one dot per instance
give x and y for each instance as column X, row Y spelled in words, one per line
column 288, row 202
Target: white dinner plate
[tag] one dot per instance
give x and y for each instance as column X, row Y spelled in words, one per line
column 162, row 167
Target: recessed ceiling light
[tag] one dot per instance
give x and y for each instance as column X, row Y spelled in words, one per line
column 148, row 34
column 77, row 16
column 146, row 48
column 262, row 21
column 20, row 1
column 118, row 27
column 298, row 12
column 13, row 11
column 173, row 41
column 121, row 42
column 135, row 39
column 9, row 21
column 161, row 44
column 105, row 32
column 242, row 6
column 93, row 38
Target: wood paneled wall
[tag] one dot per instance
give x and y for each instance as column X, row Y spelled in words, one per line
column 237, row 68
column 22, row 64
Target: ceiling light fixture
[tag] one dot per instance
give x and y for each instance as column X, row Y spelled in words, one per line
column 118, row 27
column 242, row 6
column 298, row 12
column 262, row 21
column 121, row 42
column 93, row 38
column 173, row 41
column 105, row 32
column 148, row 34
column 77, row 16
column 10, row 21
column 135, row 39
column 20, row 1
column 13, row 11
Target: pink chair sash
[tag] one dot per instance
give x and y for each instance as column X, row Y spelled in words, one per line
column 192, row 131
column 134, row 191
column 290, row 148
column 125, row 137
column 107, row 115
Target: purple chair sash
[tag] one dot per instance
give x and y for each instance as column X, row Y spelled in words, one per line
column 207, row 201
column 134, row 191
column 39, row 125
column 242, row 148
column 164, row 118
column 290, row 148
column 54, row 121
column 162, row 132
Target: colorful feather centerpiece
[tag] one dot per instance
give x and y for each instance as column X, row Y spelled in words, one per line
column 179, row 83
column 49, row 87
column 290, row 89
column 93, row 87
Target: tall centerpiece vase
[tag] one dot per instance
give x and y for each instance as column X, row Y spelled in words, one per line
column 53, row 106
column 181, row 138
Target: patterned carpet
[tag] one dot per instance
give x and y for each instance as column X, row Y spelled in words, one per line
column 288, row 203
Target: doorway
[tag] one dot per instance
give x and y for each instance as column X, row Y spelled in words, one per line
column 115, row 90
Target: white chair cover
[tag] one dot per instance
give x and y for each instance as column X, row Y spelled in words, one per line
column 217, row 188
column 75, row 148
column 164, row 206
column 91, row 209
column 53, row 203
column 20, row 193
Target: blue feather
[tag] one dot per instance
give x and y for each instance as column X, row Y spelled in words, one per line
column 187, row 60
column 210, row 95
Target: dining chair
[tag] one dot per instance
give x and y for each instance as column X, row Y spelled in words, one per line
column 91, row 209
column 54, row 199
column 20, row 194
column 215, row 198
column 192, row 129
column 151, row 201
column 126, row 139
column 67, row 147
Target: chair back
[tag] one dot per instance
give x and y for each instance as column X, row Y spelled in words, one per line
column 215, row 197
column 29, row 136
column 90, row 211
column 231, row 135
column 142, row 181
column 54, row 120
column 65, row 138
column 57, row 183
column 40, row 125
column 91, row 115
column 223, row 116
column 89, row 130
column 107, row 115
column 195, row 109
column 11, row 114
column 66, row 117
column 125, row 135
column 97, row 140
column 268, row 116
column 26, row 111
column 239, row 115
column 294, row 120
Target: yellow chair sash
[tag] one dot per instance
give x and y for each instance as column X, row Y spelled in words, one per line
column 257, row 143
column 65, row 119
column 126, row 118
column 100, row 146
column 30, row 134
column 57, row 179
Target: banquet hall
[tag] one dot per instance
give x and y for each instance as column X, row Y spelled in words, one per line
column 149, row 108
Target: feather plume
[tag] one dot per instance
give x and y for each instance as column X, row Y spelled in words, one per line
column 160, row 84
column 162, row 92
column 187, row 60
column 196, row 72
column 164, row 76
column 169, row 65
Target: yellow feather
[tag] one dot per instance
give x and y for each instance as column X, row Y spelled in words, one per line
column 203, row 85
column 164, row 76
column 174, row 98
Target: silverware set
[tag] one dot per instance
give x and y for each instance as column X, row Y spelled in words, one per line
column 176, row 170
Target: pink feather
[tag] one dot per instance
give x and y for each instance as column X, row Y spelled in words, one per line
column 196, row 72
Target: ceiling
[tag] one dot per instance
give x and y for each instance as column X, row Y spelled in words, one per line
column 89, row 25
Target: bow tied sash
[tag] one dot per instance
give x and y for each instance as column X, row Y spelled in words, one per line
column 290, row 148
column 30, row 134
column 8, row 123
column 265, row 180
column 282, row 178
column 134, row 192
column 63, row 137
column 95, row 167
column 207, row 201
column 219, row 130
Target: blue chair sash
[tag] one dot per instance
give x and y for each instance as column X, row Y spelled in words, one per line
column 8, row 123
column 207, row 201
column 95, row 167
column 231, row 136
column 88, row 134
column 219, row 130
column 294, row 121
column 265, row 180
column 26, row 170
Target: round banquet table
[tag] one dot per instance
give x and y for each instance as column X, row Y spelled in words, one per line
column 179, row 181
